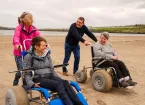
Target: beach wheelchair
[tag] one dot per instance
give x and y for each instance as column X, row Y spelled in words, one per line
column 103, row 79
column 23, row 95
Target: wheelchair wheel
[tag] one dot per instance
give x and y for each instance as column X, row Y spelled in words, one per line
column 16, row 96
column 81, row 76
column 102, row 80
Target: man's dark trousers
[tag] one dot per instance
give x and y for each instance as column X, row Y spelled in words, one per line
column 76, row 51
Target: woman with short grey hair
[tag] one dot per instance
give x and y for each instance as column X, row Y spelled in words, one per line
column 107, row 57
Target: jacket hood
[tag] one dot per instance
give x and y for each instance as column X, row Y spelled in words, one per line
column 34, row 54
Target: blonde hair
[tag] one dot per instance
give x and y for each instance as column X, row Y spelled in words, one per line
column 21, row 18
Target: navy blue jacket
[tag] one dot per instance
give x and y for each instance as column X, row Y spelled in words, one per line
column 75, row 34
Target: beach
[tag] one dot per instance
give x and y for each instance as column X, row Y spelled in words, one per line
column 131, row 50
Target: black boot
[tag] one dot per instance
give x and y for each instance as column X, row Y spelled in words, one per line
column 17, row 77
column 131, row 83
column 78, row 103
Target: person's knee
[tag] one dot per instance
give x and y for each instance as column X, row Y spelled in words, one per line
column 115, row 66
column 65, row 82
column 60, row 87
column 121, row 62
column 59, row 84
column 77, row 57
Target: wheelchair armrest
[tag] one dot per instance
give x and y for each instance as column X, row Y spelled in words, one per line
column 96, row 58
column 75, row 84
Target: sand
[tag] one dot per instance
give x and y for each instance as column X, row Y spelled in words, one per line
column 131, row 50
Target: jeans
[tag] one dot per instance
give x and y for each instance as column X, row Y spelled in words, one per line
column 18, row 60
column 76, row 51
column 64, row 89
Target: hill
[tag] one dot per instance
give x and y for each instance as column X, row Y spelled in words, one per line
column 6, row 28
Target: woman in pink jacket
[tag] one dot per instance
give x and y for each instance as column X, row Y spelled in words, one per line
column 25, row 30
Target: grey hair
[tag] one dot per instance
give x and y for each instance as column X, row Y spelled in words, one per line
column 106, row 35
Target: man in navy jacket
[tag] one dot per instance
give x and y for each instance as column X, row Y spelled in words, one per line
column 74, row 36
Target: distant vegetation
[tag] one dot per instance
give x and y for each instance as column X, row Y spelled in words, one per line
column 6, row 28
column 138, row 29
column 49, row 29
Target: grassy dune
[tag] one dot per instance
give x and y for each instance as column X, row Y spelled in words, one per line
column 139, row 29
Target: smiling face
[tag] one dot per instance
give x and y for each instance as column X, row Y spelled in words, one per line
column 79, row 23
column 103, row 39
column 41, row 47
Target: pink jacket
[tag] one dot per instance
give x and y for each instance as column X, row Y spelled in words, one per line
column 20, row 34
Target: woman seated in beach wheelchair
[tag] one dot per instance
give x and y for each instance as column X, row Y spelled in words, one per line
column 39, row 75
column 107, row 70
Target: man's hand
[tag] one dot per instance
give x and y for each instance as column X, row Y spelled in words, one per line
column 86, row 43
column 37, row 85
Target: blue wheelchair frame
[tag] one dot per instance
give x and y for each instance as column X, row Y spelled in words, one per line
column 58, row 101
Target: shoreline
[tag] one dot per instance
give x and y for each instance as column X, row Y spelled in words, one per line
column 64, row 33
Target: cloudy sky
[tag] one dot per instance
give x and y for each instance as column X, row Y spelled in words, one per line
column 61, row 13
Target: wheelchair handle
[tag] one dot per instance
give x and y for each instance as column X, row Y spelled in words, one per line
column 32, row 69
column 29, row 69
column 61, row 65
column 24, row 43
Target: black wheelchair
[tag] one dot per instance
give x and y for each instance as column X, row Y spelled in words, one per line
column 103, row 79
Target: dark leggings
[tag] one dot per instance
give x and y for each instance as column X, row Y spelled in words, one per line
column 64, row 89
column 119, row 66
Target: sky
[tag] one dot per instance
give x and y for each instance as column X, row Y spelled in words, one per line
column 62, row 13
